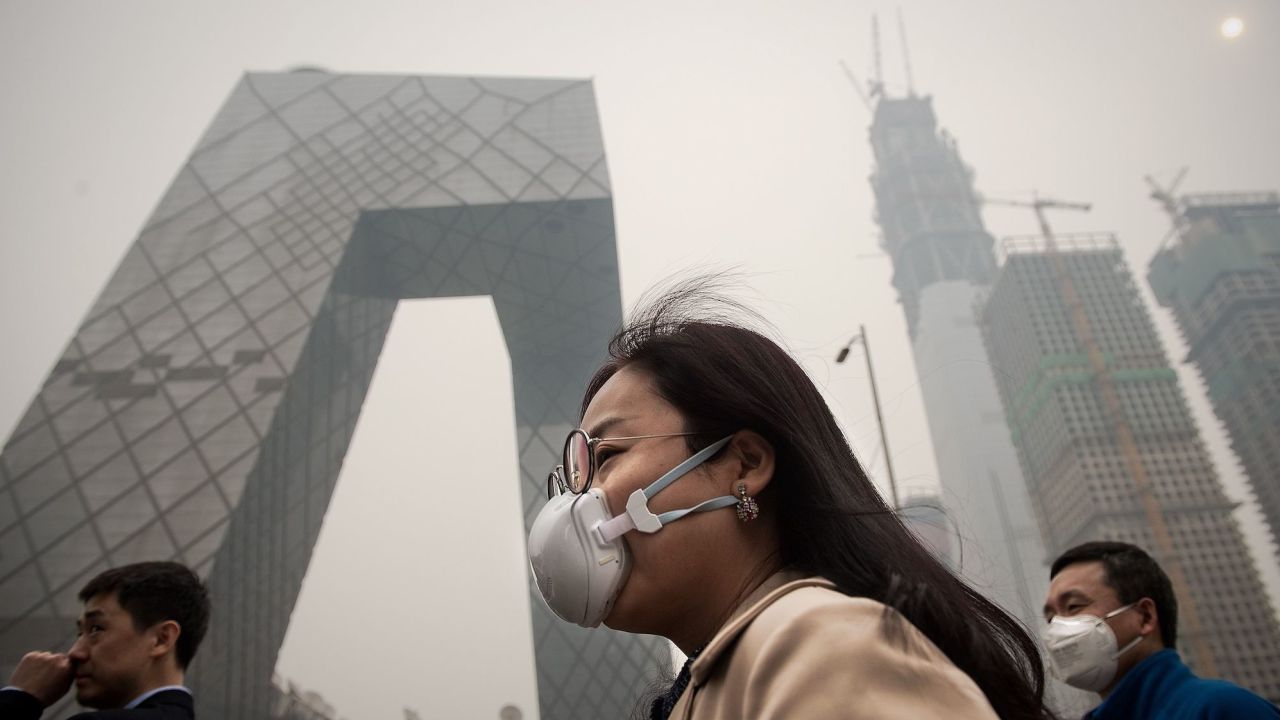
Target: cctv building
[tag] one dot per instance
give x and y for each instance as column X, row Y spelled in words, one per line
column 203, row 409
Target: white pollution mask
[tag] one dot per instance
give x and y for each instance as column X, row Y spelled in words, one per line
column 1083, row 650
column 576, row 549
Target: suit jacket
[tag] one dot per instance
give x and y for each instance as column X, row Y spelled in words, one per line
column 167, row 705
column 799, row 648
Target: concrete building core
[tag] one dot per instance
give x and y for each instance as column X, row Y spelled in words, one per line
column 943, row 264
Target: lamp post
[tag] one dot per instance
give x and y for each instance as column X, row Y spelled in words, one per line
column 861, row 337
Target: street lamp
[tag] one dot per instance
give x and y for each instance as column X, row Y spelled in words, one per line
column 875, row 399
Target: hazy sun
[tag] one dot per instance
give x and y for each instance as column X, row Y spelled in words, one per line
column 1232, row 27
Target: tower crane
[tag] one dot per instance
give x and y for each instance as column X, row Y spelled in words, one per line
column 1165, row 197
column 877, row 80
column 857, row 87
column 874, row 87
column 906, row 54
column 1038, row 205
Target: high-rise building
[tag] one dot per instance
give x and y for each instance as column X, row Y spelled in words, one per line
column 943, row 263
column 1067, row 396
column 1221, row 278
column 290, row 702
column 203, row 409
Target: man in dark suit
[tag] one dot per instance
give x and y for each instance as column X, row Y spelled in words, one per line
column 140, row 627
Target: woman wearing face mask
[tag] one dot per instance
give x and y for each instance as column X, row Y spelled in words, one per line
column 710, row 497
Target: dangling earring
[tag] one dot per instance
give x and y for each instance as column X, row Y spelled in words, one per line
column 748, row 509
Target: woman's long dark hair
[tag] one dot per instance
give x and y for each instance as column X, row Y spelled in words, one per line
column 724, row 377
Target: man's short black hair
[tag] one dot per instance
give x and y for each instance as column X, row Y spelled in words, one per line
column 152, row 592
column 1133, row 574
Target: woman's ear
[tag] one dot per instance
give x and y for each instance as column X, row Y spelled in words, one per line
column 752, row 461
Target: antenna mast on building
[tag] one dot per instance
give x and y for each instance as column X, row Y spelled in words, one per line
column 1110, row 397
column 906, row 54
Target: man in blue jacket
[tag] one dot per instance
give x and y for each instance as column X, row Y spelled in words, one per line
column 1112, row 628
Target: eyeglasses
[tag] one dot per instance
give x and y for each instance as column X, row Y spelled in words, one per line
column 578, row 465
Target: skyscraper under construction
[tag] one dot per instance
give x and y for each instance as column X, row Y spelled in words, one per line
column 943, row 262
column 1110, row 451
column 1221, row 278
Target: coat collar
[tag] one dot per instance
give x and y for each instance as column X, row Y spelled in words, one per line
column 762, row 597
column 1146, row 688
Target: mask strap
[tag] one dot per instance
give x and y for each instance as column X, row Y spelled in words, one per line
column 615, row 527
column 1128, row 647
column 1135, row 641
column 678, row 471
column 1117, row 611
column 639, row 517
column 637, row 507
column 713, row 504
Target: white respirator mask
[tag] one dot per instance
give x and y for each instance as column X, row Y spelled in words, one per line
column 1083, row 650
column 576, row 549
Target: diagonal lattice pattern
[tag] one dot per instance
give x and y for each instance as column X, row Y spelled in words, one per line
column 203, row 409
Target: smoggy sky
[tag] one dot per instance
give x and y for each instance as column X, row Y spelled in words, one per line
column 733, row 139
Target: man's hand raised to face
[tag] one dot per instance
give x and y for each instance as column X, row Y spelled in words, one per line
column 44, row 675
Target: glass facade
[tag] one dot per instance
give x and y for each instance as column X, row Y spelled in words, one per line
column 203, row 409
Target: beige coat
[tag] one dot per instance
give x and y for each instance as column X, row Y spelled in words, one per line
column 798, row 648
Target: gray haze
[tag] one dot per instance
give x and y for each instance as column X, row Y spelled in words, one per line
column 733, row 139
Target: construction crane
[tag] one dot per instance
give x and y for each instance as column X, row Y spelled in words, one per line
column 1039, row 205
column 1165, row 197
column 857, row 87
column 877, row 80
column 906, row 54
column 1120, row 423
column 874, row 88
